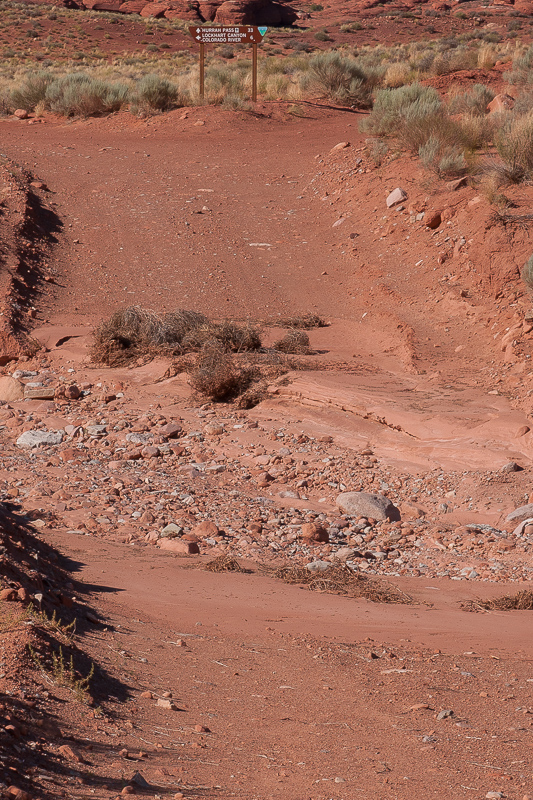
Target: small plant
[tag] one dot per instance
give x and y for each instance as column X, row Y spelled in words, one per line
column 77, row 94
column 514, row 143
column 215, row 374
column 323, row 36
column 351, row 27
column 527, row 273
column 155, row 94
column 474, row 101
column 377, row 150
column 62, row 673
column 342, row 78
column 295, row 342
column 316, row 7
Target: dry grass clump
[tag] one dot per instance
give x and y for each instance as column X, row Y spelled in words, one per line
column 225, row 563
column 302, row 321
column 215, row 373
column 134, row 331
column 340, row 579
column 523, row 601
column 295, row 342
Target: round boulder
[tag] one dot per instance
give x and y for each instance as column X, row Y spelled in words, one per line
column 373, row 506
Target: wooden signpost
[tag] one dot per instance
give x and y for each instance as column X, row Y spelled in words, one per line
column 228, row 34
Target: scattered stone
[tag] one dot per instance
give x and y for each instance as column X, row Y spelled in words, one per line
column 205, row 530
column 395, row 197
column 340, row 146
column 447, row 712
column 165, row 702
column 318, row 566
column 39, row 392
column 432, row 219
column 502, row 102
column 171, row 530
column 313, row 532
column 361, row 504
column 520, row 514
column 179, row 546
column 35, row 438
column 11, row 390
column 21, row 113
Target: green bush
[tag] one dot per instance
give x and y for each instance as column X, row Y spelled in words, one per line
column 410, row 111
column 474, row 101
column 443, row 159
column 80, row 95
column 343, row 79
column 514, row 143
column 154, row 94
column 522, row 71
column 323, row 36
column 31, row 92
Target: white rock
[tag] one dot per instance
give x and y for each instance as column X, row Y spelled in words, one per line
column 40, row 438
column 396, row 197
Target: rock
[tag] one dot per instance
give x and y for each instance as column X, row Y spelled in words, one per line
column 39, row 439
column 10, row 389
column 456, row 184
column 205, row 530
column 8, row 594
column 39, row 392
column 318, row 566
column 340, row 146
column 255, row 12
column 72, row 392
column 522, row 431
column 396, row 197
column 132, row 6
column 69, row 753
column 432, row 219
column 171, row 531
column 171, row 430
column 410, row 511
column 184, row 9
column 313, row 532
column 494, row 795
column 502, row 102
column 447, row 712
column 520, row 514
column 164, row 702
column 361, row 504
column 155, row 10
column 21, row 113
column 512, row 466
column 15, row 793
column 179, row 546
column 202, row 729
column 344, row 554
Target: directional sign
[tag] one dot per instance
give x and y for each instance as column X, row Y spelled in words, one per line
column 227, row 34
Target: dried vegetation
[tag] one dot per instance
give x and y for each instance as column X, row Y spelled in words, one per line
column 522, row 601
column 340, row 579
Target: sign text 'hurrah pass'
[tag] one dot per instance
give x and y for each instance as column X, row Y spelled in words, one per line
column 227, row 34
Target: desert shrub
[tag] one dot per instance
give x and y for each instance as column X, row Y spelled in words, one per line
column 153, row 94
column 474, row 101
column 233, row 337
column 351, row 27
column 396, row 110
column 77, row 94
column 31, row 91
column 303, row 322
column 323, row 36
column 177, row 324
column 342, row 79
column 377, row 150
column 215, row 374
column 527, row 273
column 397, row 74
column 126, row 334
column 514, row 143
column 522, row 71
column 443, row 159
column 295, row 342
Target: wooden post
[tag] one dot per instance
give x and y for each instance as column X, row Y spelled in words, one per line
column 254, row 73
column 202, row 70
